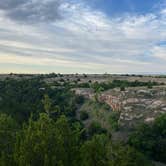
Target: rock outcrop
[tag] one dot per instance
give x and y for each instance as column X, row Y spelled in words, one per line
column 135, row 104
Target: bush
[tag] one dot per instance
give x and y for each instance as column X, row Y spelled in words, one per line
column 144, row 139
column 122, row 88
column 150, row 86
column 84, row 115
column 95, row 128
column 128, row 156
column 113, row 119
column 80, row 99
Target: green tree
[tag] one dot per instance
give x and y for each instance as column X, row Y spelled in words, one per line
column 120, row 155
column 95, row 128
column 84, row 115
column 36, row 144
column 46, row 143
column 8, row 129
column 151, row 139
column 113, row 119
column 94, row 152
column 100, row 151
column 47, row 102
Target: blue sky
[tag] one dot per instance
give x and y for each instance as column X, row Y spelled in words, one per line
column 118, row 7
column 83, row 36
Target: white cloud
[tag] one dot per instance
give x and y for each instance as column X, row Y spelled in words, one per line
column 87, row 39
column 159, row 52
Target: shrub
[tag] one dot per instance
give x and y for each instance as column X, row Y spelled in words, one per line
column 144, row 139
column 95, row 128
column 80, row 99
column 113, row 119
column 84, row 115
column 122, row 88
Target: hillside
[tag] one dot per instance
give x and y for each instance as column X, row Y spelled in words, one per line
column 65, row 121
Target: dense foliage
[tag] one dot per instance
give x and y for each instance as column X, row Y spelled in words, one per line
column 47, row 142
column 113, row 119
column 122, row 84
column 151, row 139
column 39, row 126
column 22, row 98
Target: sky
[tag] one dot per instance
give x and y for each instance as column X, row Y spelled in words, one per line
column 83, row 36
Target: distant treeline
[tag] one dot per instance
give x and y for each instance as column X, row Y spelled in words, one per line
column 117, row 84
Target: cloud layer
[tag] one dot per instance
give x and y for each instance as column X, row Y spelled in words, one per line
column 69, row 36
column 32, row 10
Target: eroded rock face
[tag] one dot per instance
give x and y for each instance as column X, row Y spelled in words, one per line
column 155, row 104
column 86, row 92
column 141, row 105
column 135, row 104
column 113, row 101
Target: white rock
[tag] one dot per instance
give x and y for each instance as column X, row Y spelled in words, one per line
column 149, row 119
